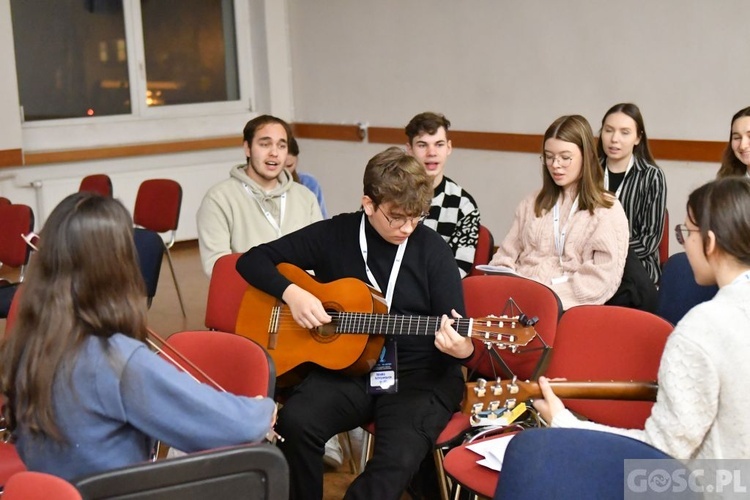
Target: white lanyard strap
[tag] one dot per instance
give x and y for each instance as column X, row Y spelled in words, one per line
column 394, row 269
column 619, row 188
column 269, row 217
column 560, row 234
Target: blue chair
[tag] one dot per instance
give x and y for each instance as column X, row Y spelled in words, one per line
column 678, row 291
column 150, row 248
column 573, row 464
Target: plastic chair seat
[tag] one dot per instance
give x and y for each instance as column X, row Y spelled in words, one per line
column 10, row 462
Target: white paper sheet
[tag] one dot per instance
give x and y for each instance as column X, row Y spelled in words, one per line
column 492, row 451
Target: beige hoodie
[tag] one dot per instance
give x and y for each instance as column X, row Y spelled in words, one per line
column 230, row 218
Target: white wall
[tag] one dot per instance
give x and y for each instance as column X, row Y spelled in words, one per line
column 508, row 66
column 489, row 65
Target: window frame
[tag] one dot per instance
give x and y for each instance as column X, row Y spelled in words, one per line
column 152, row 124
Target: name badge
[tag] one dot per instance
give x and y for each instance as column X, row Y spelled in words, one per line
column 383, row 376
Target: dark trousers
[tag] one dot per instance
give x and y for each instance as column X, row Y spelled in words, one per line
column 326, row 403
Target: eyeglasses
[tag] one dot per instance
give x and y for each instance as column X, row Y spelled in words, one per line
column 681, row 232
column 563, row 161
column 399, row 222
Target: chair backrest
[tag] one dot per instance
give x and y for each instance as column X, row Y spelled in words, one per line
column 483, row 254
column 247, row 472
column 609, row 343
column 150, row 248
column 678, row 291
column 4, row 201
column 571, row 464
column 225, row 292
column 10, row 462
column 488, row 294
column 236, row 363
column 15, row 221
column 664, row 243
column 158, row 204
column 97, row 183
column 29, row 485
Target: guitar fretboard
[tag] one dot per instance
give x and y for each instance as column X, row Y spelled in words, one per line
column 394, row 324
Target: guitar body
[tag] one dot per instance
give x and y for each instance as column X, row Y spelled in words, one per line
column 291, row 345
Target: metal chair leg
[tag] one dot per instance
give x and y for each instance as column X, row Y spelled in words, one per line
column 443, row 480
column 174, row 278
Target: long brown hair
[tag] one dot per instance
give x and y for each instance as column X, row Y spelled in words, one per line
column 84, row 280
column 591, row 193
column 730, row 164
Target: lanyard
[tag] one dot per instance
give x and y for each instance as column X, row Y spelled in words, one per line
column 560, row 234
column 282, row 208
column 619, row 188
column 394, row 270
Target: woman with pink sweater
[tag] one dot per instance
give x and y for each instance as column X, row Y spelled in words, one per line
column 572, row 235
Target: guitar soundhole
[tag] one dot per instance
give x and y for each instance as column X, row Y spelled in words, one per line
column 327, row 333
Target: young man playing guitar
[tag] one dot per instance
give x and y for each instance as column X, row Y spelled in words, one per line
column 383, row 245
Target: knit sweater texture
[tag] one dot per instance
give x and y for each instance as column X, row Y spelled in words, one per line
column 702, row 405
column 231, row 216
column 593, row 257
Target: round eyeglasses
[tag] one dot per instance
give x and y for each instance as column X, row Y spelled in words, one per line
column 399, row 222
column 562, row 160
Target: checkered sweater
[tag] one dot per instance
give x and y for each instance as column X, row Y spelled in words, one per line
column 455, row 216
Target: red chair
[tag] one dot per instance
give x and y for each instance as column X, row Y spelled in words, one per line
column 664, row 243
column 157, row 207
column 97, row 183
column 609, row 343
column 225, row 292
column 15, row 222
column 488, row 294
column 29, row 485
column 4, row 201
column 10, row 462
column 597, row 343
column 483, row 254
column 236, row 363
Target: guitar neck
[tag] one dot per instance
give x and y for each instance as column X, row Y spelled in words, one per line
column 394, row 324
column 627, row 391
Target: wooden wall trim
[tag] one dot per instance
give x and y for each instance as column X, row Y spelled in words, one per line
column 663, row 149
column 131, row 150
column 11, row 158
column 328, row 131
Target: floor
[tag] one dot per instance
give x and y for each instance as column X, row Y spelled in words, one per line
column 165, row 318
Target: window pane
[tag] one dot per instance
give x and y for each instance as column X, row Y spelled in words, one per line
column 190, row 51
column 70, row 58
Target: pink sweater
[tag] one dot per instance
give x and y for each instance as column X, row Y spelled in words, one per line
column 593, row 257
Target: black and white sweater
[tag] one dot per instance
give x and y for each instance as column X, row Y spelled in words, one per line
column 644, row 198
column 455, row 216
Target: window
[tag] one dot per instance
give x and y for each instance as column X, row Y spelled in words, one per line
column 87, row 59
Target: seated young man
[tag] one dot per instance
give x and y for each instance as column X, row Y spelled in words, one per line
column 384, row 245
column 453, row 212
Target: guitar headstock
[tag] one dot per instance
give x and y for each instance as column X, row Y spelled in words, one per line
column 490, row 399
column 503, row 331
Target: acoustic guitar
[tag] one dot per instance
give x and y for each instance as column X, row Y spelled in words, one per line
column 352, row 342
column 484, row 399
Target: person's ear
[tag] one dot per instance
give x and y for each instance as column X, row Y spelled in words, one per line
column 710, row 243
column 246, row 147
column 408, row 149
column 449, row 148
column 368, row 205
